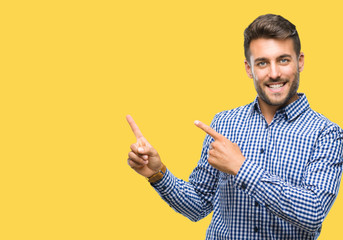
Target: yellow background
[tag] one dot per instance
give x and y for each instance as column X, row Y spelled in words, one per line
column 71, row 71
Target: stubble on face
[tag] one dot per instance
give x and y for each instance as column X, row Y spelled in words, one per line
column 278, row 100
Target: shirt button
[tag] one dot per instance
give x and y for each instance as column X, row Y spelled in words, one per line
column 255, row 229
column 262, row 150
column 256, row 204
column 243, row 186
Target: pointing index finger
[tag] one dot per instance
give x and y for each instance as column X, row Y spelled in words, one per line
column 134, row 127
column 207, row 129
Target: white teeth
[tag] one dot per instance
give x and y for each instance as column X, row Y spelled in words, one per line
column 276, row 85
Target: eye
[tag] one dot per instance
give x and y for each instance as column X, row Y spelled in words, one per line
column 261, row 64
column 284, row 60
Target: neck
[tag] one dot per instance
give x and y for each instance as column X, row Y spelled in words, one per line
column 269, row 111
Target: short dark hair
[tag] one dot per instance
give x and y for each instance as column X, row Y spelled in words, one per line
column 270, row 26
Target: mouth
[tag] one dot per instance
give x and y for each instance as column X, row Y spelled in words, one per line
column 276, row 87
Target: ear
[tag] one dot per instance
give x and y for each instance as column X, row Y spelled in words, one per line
column 248, row 68
column 301, row 61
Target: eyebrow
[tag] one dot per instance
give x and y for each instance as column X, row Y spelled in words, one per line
column 285, row 56
column 262, row 59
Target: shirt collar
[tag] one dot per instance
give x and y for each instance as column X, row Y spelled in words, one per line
column 291, row 111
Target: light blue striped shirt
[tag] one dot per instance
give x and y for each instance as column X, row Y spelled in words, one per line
column 285, row 187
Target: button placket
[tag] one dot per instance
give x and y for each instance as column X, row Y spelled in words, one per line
column 268, row 142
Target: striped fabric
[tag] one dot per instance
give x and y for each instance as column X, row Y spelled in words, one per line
column 285, row 187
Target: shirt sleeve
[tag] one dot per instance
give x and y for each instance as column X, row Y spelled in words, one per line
column 307, row 205
column 193, row 199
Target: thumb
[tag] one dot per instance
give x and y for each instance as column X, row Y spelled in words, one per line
column 146, row 150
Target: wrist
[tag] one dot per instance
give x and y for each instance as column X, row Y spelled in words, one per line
column 158, row 175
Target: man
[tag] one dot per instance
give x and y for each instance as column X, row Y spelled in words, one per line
column 268, row 170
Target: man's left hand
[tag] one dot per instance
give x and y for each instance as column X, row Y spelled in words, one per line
column 223, row 155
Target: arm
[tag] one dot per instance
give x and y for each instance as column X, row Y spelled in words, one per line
column 304, row 206
column 193, row 199
column 307, row 205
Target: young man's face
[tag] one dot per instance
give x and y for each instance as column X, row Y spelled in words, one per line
column 275, row 68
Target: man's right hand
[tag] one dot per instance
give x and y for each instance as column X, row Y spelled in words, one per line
column 143, row 158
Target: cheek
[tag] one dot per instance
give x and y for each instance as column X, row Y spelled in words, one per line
column 260, row 75
column 289, row 71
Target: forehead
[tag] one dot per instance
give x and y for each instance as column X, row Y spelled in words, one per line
column 271, row 48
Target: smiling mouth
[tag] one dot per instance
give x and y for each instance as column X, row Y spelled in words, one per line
column 276, row 85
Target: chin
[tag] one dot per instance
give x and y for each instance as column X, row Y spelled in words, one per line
column 279, row 102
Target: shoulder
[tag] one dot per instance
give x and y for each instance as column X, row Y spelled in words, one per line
column 320, row 121
column 325, row 128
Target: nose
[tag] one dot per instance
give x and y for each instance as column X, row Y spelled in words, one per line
column 274, row 71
